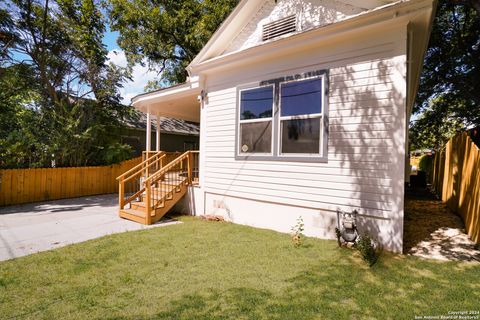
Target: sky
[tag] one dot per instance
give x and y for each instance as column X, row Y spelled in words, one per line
column 140, row 75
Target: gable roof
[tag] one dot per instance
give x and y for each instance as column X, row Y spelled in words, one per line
column 246, row 9
column 416, row 15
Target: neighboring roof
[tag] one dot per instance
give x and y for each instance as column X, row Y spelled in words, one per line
column 167, row 125
column 422, row 151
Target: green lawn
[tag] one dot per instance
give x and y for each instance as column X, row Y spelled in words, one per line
column 212, row 270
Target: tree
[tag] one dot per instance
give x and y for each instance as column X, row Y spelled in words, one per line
column 8, row 38
column 448, row 99
column 73, row 101
column 166, row 34
column 18, row 144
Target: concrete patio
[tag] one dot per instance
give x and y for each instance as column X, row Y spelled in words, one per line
column 35, row 227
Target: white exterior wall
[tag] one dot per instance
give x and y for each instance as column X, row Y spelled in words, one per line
column 366, row 144
column 192, row 203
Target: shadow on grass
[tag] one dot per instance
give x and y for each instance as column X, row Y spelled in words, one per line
column 200, row 270
column 344, row 289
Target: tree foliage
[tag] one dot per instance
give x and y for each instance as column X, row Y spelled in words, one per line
column 59, row 99
column 448, row 99
column 8, row 38
column 166, row 34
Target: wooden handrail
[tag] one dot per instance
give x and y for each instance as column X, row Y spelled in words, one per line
column 138, row 165
column 140, row 171
column 150, row 181
column 163, row 170
column 135, row 195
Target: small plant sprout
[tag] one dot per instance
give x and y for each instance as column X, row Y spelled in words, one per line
column 297, row 232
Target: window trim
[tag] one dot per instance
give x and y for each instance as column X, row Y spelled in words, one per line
column 318, row 116
column 321, row 157
column 240, row 121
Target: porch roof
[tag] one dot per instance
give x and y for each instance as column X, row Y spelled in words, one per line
column 178, row 101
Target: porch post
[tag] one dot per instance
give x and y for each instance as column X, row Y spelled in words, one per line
column 149, row 133
column 158, row 133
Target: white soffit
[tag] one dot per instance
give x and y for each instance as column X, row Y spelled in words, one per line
column 180, row 101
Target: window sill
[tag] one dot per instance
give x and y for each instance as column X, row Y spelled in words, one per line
column 283, row 158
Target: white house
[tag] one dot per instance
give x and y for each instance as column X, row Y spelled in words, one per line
column 304, row 108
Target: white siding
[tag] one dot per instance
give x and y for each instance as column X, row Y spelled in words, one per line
column 311, row 14
column 365, row 146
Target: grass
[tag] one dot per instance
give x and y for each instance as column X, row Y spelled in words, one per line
column 211, row 270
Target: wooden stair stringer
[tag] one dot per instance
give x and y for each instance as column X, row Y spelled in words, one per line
column 138, row 211
column 177, row 193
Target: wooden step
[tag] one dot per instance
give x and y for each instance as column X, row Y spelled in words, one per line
column 159, row 198
column 138, row 205
column 165, row 192
column 137, row 212
column 167, row 186
column 141, row 205
column 134, row 215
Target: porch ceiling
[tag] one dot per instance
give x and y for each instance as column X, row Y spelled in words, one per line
column 179, row 102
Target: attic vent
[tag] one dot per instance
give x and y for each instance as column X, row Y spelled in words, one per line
column 280, row 27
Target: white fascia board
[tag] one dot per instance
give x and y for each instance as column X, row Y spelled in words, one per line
column 229, row 28
column 166, row 94
column 366, row 4
column 419, row 52
column 397, row 11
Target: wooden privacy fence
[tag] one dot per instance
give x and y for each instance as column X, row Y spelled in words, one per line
column 30, row 185
column 456, row 178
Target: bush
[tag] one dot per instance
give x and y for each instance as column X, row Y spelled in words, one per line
column 425, row 164
column 365, row 246
column 117, row 152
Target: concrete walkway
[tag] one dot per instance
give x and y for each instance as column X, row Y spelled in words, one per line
column 432, row 231
column 30, row 228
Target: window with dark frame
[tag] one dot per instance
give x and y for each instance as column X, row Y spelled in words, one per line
column 300, row 116
column 283, row 120
column 256, row 116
